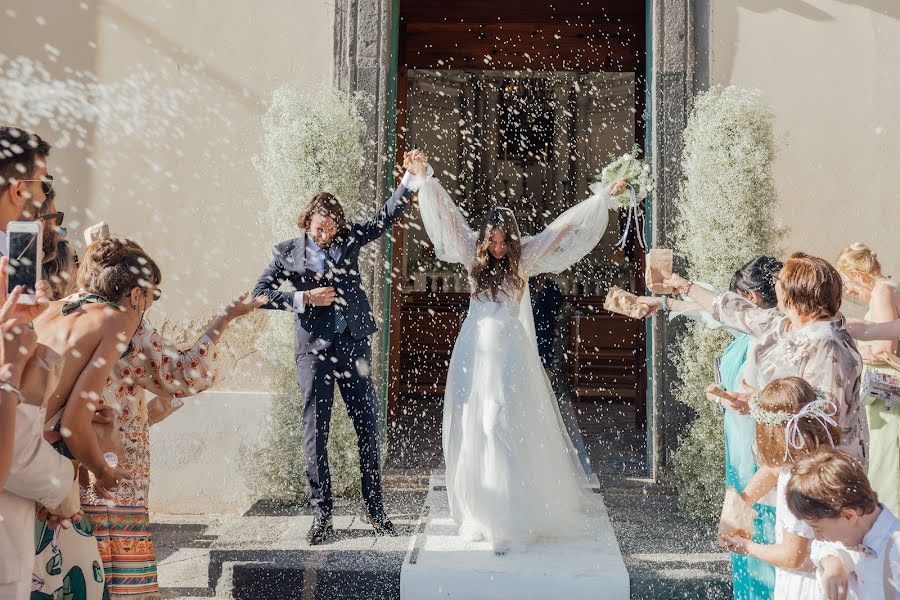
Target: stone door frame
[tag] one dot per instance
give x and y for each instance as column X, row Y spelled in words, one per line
column 365, row 54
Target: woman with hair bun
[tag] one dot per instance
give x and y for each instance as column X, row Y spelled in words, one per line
column 90, row 333
column 863, row 278
column 152, row 364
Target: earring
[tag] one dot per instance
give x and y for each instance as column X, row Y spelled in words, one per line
column 134, row 306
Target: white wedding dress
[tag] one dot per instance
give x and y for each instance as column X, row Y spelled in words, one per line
column 513, row 477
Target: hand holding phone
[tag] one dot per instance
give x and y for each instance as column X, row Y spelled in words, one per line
column 24, row 249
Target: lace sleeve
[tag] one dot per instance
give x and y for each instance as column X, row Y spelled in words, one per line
column 568, row 238
column 445, row 224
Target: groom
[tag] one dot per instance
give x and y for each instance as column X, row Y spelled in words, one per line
column 333, row 321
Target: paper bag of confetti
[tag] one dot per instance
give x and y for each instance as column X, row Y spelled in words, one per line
column 659, row 266
column 625, row 303
column 737, row 516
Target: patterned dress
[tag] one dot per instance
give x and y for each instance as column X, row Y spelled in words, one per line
column 822, row 353
column 153, row 364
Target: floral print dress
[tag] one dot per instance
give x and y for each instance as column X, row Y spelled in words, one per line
column 156, row 365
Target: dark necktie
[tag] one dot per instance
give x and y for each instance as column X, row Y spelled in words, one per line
column 340, row 321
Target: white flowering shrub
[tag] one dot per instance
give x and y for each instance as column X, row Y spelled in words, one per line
column 726, row 208
column 311, row 143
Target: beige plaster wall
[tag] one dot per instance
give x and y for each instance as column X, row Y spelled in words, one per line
column 829, row 68
column 180, row 89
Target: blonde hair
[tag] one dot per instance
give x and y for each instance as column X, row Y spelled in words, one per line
column 825, row 484
column 859, row 257
column 789, row 395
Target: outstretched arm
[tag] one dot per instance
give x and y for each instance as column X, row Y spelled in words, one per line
column 376, row 226
column 446, row 226
column 570, row 236
column 866, row 331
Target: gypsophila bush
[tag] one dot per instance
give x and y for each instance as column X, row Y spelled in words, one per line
column 311, row 143
column 726, row 208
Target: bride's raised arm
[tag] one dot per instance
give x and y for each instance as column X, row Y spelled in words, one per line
column 569, row 237
column 445, row 224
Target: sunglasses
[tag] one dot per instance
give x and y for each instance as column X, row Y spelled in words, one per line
column 46, row 183
column 57, row 216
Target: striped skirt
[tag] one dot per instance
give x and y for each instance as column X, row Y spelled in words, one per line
column 126, row 549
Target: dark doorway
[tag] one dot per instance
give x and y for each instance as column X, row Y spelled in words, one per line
column 520, row 104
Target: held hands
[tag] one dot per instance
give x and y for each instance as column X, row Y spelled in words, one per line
column 322, row 296
column 617, row 187
column 416, row 162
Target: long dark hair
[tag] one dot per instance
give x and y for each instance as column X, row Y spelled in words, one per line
column 491, row 274
column 758, row 276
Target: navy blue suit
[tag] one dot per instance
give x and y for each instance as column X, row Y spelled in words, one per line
column 331, row 347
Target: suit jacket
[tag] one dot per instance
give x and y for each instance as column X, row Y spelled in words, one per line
column 315, row 326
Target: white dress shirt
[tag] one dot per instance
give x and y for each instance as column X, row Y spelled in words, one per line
column 38, row 474
column 865, row 564
column 316, row 257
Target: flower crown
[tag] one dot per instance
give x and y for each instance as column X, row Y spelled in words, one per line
column 822, row 409
column 769, row 417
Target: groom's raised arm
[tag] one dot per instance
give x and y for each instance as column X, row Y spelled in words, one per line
column 373, row 228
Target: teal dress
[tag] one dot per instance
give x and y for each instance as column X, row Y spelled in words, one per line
column 753, row 579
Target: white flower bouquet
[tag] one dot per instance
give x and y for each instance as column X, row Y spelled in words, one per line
column 640, row 182
column 634, row 171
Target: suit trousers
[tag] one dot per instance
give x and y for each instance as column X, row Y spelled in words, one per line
column 347, row 362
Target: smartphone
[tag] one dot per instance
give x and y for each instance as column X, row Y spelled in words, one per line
column 24, row 249
column 717, row 370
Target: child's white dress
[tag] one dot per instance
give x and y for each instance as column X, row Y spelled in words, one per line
column 790, row 584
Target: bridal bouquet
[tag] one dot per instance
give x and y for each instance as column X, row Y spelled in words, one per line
column 640, row 182
column 633, row 170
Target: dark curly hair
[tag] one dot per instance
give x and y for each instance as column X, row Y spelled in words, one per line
column 758, row 276
column 111, row 268
column 324, row 204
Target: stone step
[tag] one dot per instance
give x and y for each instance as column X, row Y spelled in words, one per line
column 264, row 554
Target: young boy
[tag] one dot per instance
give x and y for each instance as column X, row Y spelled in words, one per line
column 857, row 546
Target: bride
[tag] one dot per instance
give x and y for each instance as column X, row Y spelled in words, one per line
column 513, row 477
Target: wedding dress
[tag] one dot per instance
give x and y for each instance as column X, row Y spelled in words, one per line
column 513, row 476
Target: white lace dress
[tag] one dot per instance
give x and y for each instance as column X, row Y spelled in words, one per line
column 513, row 477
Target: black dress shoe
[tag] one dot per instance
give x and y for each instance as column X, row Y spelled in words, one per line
column 321, row 529
column 383, row 526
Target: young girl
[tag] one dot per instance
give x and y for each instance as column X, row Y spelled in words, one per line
column 861, row 271
column 512, row 475
column 792, row 421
